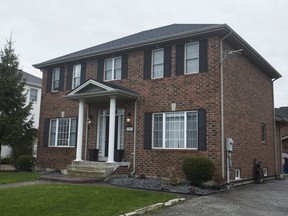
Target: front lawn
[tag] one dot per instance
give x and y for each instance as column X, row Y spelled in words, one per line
column 13, row 177
column 67, row 199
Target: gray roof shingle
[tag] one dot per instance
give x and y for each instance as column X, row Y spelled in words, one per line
column 282, row 112
column 131, row 40
column 31, row 79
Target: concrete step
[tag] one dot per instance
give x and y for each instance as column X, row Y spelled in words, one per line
column 91, row 174
column 90, row 168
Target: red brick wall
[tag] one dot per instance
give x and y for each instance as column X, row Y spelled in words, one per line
column 248, row 103
column 246, row 107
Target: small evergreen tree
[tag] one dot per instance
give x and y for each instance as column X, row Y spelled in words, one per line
column 16, row 129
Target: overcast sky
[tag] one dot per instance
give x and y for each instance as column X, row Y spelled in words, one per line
column 45, row 29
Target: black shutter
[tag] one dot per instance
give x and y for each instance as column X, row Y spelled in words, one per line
column 124, row 72
column 49, row 80
column 61, row 81
column 147, row 131
column 202, row 130
column 180, row 59
column 83, row 73
column 69, row 77
column 203, row 58
column 147, row 65
column 167, row 61
column 100, row 73
column 46, row 132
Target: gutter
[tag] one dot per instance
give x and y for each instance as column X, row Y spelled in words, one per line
column 134, row 138
column 222, row 105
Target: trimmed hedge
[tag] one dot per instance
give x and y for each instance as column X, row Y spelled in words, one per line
column 198, row 169
column 26, row 163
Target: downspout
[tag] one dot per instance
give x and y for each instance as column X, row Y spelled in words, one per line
column 274, row 131
column 134, row 138
column 222, row 105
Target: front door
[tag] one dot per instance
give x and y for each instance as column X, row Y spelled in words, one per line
column 103, row 132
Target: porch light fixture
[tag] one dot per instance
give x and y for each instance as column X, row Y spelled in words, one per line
column 89, row 119
column 129, row 118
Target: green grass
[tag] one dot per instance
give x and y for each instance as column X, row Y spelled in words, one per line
column 13, row 177
column 67, row 199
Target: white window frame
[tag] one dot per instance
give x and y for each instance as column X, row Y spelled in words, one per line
column 158, row 64
column 76, row 78
column 186, row 60
column 164, row 130
column 237, row 174
column 113, row 69
column 54, row 80
column 57, row 133
column 32, row 99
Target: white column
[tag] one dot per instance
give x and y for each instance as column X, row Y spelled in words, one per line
column 80, row 131
column 111, row 130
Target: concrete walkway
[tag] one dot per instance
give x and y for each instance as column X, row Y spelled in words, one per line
column 270, row 198
column 21, row 184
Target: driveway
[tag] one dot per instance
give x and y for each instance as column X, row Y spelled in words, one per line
column 270, row 198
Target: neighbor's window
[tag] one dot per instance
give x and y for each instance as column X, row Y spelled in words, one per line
column 157, row 63
column 263, row 133
column 55, row 79
column 63, row 132
column 113, row 68
column 237, row 174
column 33, row 94
column 192, row 58
column 76, row 75
column 177, row 130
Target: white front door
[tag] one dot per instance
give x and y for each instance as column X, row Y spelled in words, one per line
column 103, row 132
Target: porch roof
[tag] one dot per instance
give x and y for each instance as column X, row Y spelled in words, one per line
column 93, row 91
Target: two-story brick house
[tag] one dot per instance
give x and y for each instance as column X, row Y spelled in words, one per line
column 160, row 96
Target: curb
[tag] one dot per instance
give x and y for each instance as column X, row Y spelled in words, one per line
column 153, row 207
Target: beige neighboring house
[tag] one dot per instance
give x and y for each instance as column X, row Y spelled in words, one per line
column 33, row 89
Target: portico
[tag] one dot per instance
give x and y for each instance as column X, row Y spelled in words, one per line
column 93, row 92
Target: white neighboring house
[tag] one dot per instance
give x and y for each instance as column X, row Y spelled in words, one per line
column 33, row 89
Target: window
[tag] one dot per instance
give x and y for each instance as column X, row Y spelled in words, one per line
column 158, row 63
column 33, row 95
column 237, row 174
column 76, row 76
column 177, row 130
column 113, row 68
column 63, row 132
column 192, row 58
column 263, row 133
column 55, row 79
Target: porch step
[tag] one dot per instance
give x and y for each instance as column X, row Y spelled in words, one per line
column 91, row 169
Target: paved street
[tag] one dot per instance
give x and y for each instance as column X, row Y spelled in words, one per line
column 270, row 198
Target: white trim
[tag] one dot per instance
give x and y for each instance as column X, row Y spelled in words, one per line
column 88, row 82
column 164, row 131
column 112, row 69
column 237, row 174
column 284, row 138
column 152, row 63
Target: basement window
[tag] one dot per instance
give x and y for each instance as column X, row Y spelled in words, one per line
column 237, row 174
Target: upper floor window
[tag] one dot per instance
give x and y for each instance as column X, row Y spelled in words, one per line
column 177, row 130
column 157, row 63
column 33, row 94
column 263, row 133
column 63, row 132
column 112, row 68
column 56, row 79
column 76, row 79
column 192, row 58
